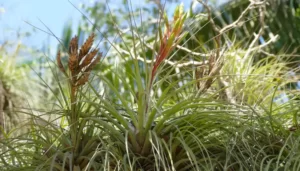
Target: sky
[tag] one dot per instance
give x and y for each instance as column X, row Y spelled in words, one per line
column 16, row 14
column 53, row 13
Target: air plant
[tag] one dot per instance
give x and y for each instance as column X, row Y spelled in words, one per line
column 171, row 37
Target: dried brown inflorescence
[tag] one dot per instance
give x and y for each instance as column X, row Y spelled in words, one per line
column 80, row 62
column 210, row 71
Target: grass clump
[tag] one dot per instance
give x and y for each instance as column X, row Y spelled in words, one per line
column 158, row 114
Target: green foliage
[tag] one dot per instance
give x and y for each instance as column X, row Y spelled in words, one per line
column 174, row 100
column 16, row 85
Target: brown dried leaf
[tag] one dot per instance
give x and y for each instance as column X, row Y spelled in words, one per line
column 85, row 48
column 211, row 62
column 200, row 72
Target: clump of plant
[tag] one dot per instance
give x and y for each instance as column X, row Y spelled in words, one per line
column 140, row 115
column 80, row 64
column 15, row 85
column 61, row 147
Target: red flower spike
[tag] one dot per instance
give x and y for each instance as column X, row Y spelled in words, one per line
column 170, row 38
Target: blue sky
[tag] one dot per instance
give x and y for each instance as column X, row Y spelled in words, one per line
column 53, row 13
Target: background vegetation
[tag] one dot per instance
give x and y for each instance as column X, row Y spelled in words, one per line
column 199, row 88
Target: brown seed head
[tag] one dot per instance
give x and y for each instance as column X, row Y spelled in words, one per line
column 60, row 65
column 89, row 57
column 73, row 48
column 75, row 58
column 83, row 79
column 95, row 61
column 85, row 48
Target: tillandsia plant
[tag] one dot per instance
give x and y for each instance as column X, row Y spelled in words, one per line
column 140, row 131
column 151, row 141
column 129, row 121
column 168, row 40
column 80, row 63
column 171, row 37
column 71, row 144
column 187, row 133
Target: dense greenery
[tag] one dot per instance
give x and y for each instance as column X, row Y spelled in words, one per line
column 186, row 92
